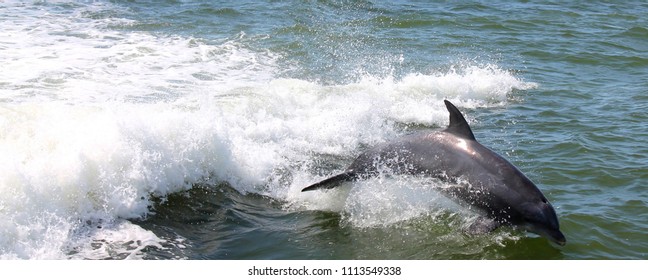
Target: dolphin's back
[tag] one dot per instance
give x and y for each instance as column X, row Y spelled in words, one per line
column 478, row 172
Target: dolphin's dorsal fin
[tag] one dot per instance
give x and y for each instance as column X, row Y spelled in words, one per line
column 458, row 125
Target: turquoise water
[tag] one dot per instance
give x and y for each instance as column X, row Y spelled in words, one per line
column 186, row 129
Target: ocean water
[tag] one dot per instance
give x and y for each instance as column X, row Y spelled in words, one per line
column 186, row 129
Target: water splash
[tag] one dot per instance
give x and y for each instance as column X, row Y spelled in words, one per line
column 97, row 121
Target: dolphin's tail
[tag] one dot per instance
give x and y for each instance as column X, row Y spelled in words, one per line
column 333, row 181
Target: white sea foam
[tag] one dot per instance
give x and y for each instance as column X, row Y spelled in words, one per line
column 95, row 122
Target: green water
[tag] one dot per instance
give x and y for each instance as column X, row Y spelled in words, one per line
column 291, row 92
column 581, row 134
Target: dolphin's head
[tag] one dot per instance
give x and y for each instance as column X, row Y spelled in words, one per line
column 531, row 209
column 540, row 217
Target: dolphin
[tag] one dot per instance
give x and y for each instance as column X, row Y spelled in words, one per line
column 480, row 178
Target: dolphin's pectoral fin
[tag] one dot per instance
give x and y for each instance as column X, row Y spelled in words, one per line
column 481, row 226
column 332, row 182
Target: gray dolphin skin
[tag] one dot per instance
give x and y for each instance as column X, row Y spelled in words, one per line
column 480, row 178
